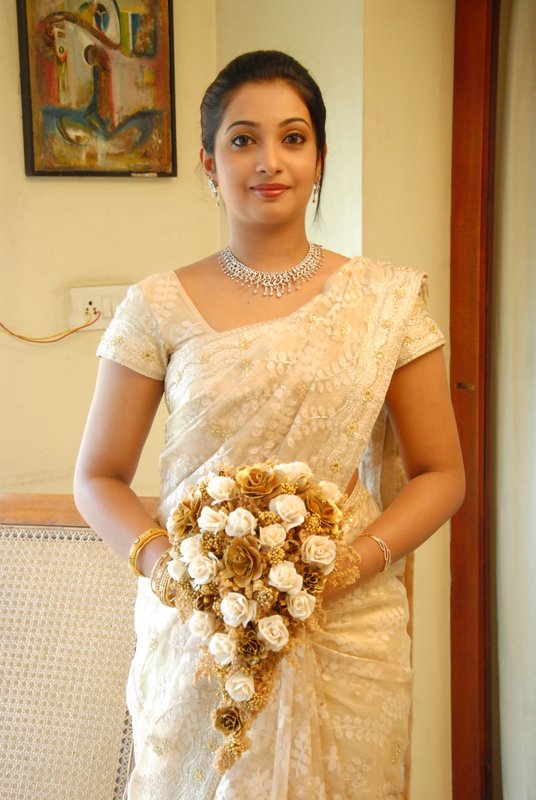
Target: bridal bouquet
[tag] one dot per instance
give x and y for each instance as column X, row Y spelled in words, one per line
column 252, row 549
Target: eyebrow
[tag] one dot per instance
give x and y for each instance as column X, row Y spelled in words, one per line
column 252, row 124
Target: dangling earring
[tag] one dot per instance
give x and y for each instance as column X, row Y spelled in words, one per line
column 214, row 191
column 316, row 187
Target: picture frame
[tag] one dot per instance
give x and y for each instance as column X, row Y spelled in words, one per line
column 97, row 87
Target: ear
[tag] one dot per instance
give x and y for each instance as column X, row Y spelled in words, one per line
column 207, row 162
column 319, row 162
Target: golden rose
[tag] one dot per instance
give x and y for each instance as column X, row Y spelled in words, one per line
column 243, row 561
column 328, row 512
column 313, row 580
column 227, row 720
column 257, row 480
column 251, row 650
column 184, row 518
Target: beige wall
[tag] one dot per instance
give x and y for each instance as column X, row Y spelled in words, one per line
column 62, row 232
column 59, row 232
column 407, row 128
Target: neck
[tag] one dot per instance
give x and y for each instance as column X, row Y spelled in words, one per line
column 269, row 248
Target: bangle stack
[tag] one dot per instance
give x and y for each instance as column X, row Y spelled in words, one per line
column 162, row 583
column 384, row 548
column 142, row 540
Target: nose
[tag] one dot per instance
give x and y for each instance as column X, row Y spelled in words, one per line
column 268, row 159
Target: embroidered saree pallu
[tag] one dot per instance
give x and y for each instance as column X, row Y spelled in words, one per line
column 309, row 386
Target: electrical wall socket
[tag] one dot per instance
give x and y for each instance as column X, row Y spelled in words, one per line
column 86, row 301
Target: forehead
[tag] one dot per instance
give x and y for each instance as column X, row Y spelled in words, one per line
column 265, row 101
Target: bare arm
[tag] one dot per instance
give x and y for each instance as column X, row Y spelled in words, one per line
column 121, row 415
column 421, row 413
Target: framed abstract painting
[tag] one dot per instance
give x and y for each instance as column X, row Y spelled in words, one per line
column 97, row 87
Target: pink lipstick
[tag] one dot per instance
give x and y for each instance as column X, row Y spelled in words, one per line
column 270, row 190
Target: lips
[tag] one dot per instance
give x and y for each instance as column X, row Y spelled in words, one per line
column 269, row 190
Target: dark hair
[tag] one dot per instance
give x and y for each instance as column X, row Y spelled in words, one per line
column 256, row 67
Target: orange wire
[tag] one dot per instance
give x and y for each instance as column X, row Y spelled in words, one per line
column 56, row 337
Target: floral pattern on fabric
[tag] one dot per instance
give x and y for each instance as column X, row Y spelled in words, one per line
column 311, row 387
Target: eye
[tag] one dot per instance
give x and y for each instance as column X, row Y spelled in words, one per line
column 241, row 140
column 294, row 138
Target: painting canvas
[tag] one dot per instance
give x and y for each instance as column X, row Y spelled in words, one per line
column 97, row 87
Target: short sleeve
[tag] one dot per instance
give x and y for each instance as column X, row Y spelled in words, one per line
column 134, row 338
column 421, row 334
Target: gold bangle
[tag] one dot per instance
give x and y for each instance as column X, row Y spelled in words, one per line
column 162, row 584
column 384, row 548
column 137, row 546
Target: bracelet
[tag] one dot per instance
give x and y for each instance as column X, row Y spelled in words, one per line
column 162, row 584
column 384, row 548
column 143, row 539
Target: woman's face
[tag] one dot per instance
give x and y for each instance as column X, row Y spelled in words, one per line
column 265, row 157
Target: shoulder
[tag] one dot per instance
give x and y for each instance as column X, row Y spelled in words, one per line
column 387, row 277
column 158, row 294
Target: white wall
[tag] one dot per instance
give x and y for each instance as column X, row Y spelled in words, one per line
column 61, row 232
column 513, row 392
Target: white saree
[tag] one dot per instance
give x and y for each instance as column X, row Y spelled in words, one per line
column 311, row 387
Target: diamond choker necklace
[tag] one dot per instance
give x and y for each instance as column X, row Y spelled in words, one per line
column 272, row 282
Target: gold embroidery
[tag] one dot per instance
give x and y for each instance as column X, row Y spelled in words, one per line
column 220, row 432
column 397, row 750
column 160, row 746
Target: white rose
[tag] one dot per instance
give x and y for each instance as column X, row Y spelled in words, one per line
column 240, row 522
column 330, row 491
column 319, row 551
column 272, row 536
column 191, row 547
column 237, row 609
column 171, row 525
column 177, row 569
column 285, row 578
column 201, row 625
column 203, row 569
column 290, row 508
column 211, row 520
column 240, row 686
column 301, row 605
column 223, row 648
column 293, row 472
column 273, row 632
column 221, row 488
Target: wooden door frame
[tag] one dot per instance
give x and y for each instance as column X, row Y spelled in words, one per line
column 473, row 156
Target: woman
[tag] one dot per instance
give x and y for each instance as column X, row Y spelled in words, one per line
column 323, row 375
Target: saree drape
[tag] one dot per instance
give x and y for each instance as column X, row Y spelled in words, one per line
column 309, row 386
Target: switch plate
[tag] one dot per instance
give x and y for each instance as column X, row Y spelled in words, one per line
column 86, row 301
